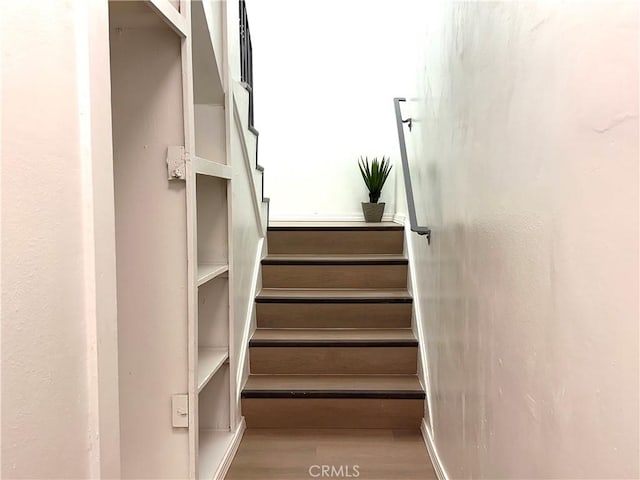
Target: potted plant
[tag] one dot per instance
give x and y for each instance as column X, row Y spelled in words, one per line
column 374, row 176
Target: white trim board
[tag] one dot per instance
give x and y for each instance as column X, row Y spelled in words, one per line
column 441, row 473
column 230, row 454
column 417, row 317
column 247, row 331
column 170, row 15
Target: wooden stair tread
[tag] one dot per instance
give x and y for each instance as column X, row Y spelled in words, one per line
column 333, row 226
column 333, row 386
column 342, row 259
column 344, row 295
column 333, row 337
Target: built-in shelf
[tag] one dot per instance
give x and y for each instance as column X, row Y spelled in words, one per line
column 211, row 168
column 209, row 271
column 212, row 174
column 213, row 446
column 209, row 362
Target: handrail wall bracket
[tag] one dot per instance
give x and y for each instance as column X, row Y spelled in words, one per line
column 408, row 187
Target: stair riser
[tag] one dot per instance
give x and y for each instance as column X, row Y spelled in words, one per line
column 332, row 413
column 334, row 360
column 334, row 276
column 332, row 315
column 336, row 242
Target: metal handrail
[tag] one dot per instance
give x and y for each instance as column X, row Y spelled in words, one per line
column 411, row 205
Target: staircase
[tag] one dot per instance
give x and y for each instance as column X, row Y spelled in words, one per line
column 333, row 346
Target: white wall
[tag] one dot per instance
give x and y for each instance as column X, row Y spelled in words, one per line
column 526, row 166
column 59, row 352
column 325, row 73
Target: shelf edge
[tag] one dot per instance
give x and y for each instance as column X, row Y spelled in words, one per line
column 211, row 168
column 210, row 275
column 224, row 358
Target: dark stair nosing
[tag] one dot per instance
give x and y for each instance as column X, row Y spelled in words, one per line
column 257, row 343
column 347, row 296
column 355, row 394
column 285, row 299
column 333, row 260
column 334, row 228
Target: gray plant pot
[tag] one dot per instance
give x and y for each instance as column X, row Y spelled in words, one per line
column 372, row 211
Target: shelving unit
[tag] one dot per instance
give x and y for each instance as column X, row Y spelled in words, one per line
column 213, row 382
column 174, row 269
column 211, row 176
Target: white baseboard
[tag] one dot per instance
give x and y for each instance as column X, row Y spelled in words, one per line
column 422, row 352
column 441, row 473
column 231, row 451
column 399, row 218
column 418, row 320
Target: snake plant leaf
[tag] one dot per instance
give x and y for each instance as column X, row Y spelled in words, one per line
column 374, row 174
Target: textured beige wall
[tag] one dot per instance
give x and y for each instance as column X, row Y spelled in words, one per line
column 59, row 357
column 525, row 158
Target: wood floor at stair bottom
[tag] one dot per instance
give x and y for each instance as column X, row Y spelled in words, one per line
column 279, row 454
